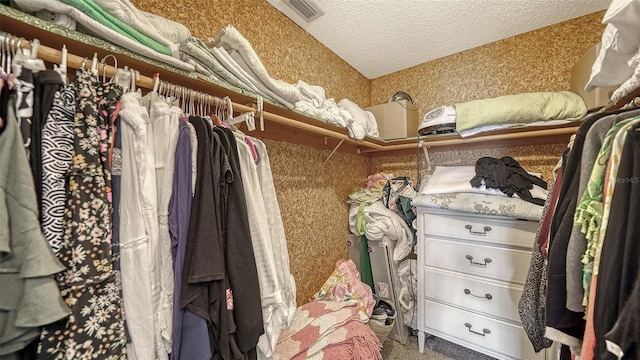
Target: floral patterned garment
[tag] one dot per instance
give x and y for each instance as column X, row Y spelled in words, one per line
column 344, row 284
column 95, row 329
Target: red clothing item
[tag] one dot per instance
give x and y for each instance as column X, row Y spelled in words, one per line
column 545, row 225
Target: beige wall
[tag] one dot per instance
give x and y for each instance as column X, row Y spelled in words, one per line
column 312, row 196
column 540, row 60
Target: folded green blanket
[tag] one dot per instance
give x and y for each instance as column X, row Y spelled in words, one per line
column 98, row 14
column 519, row 109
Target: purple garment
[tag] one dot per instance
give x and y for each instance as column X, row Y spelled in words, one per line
column 184, row 323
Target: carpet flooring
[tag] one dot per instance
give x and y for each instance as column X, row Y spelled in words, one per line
column 434, row 349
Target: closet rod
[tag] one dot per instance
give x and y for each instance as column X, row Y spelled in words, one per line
column 73, row 61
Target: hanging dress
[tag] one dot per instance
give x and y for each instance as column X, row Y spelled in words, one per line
column 95, row 329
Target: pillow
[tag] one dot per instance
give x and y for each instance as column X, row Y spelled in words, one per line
column 611, row 66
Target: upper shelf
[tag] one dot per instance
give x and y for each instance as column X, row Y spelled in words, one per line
column 280, row 123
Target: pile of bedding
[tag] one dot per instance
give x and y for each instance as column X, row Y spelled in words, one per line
column 334, row 324
column 449, row 187
column 231, row 58
column 512, row 111
column 120, row 22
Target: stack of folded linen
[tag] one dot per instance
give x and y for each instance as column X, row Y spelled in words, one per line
column 122, row 23
column 230, row 57
column 449, row 187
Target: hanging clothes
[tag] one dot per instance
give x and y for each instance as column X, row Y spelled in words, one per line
column 276, row 228
column 239, row 254
column 57, row 156
column 618, row 246
column 203, row 290
column 30, row 297
column 165, row 123
column 88, row 284
column 270, row 294
column 136, row 257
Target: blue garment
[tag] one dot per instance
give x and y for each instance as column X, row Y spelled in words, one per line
column 186, row 325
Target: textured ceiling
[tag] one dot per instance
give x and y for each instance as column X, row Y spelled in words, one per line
column 378, row 37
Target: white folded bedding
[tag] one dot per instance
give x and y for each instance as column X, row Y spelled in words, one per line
column 231, row 39
column 100, row 30
column 241, row 66
column 455, row 179
column 164, row 31
column 363, row 124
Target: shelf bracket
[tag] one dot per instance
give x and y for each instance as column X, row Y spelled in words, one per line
column 334, row 150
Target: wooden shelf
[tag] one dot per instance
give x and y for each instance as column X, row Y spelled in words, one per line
column 280, row 123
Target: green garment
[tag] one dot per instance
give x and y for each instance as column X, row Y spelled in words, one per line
column 366, row 275
column 29, row 295
column 98, row 14
column 589, row 210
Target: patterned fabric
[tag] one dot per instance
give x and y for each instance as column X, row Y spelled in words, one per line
column 589, row 210
column 616, row 155
column 95, row 330
column 482, row 204
column 344, row 284
column 532, row 303
column 57, row 153
column 614, row 140
column 328, row 330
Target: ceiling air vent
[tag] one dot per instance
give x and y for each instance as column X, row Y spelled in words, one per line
column 307, row 9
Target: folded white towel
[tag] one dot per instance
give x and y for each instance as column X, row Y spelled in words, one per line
column 361, row 121
column 234, row 57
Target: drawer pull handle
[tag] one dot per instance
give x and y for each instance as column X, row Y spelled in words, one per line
column 486, row 296
column 486, row 261
column 485, row 229
column 483, row 333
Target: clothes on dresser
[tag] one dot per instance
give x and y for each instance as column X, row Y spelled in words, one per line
column 508, row 176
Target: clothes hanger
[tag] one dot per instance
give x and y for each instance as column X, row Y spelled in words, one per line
column 103, row 62
column 94, row 64
column 62, row 67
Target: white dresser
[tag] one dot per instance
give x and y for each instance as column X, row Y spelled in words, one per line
column 471, row 272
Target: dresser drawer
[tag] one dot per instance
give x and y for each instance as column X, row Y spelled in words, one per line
column 497, row 231
column 487, row 261
column 473, row 293
column 493, row 337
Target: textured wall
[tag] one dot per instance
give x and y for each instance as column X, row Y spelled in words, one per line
column 312, row 197
column 540, row 60
column 312, row 201
column 287, row 51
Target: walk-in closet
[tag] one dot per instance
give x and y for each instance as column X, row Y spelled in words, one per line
column 319, row 179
